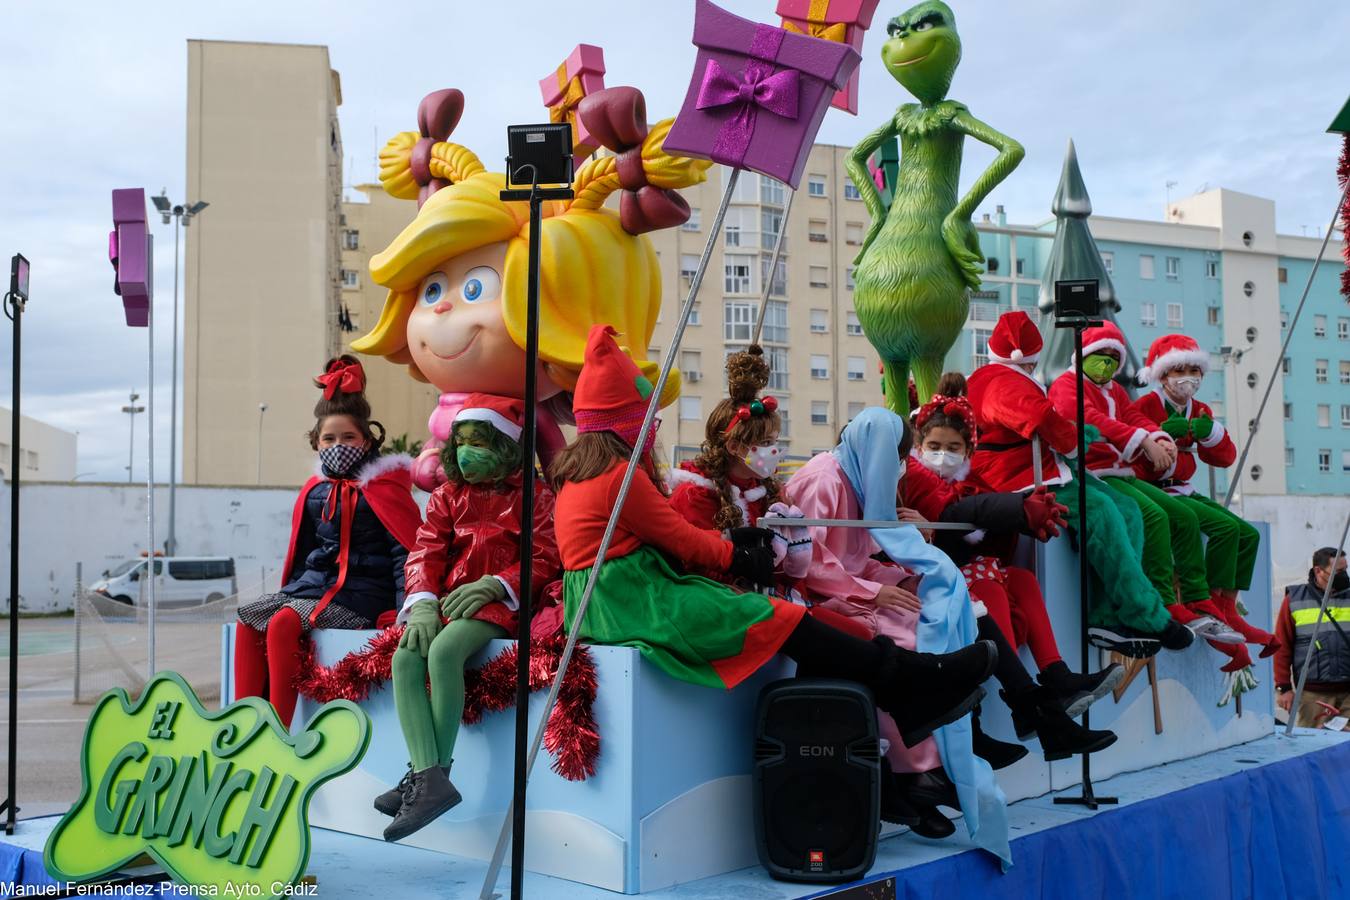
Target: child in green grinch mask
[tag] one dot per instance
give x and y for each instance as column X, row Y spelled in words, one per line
column 463, row 579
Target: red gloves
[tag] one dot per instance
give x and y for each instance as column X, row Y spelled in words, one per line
column 1045, row 515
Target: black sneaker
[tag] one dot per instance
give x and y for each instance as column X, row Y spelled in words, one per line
column 429, row 796
column 1124, row 640
column 924, row 691
column 1176, row 636
column 389, row 802
column 1077, row 692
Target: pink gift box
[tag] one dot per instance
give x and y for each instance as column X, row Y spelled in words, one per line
column 838, row 20
column 129, row 251
column 582, row 73
column 758, row 94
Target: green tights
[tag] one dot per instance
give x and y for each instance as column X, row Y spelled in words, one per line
column 431, row 722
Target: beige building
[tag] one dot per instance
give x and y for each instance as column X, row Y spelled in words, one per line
column 824, row 370
column 262, row 268
column 47, row 453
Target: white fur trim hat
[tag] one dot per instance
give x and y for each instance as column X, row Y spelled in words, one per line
column 1169, row 352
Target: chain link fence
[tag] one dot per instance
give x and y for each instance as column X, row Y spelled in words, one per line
column 111, row 640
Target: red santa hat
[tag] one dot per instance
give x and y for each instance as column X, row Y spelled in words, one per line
column 1105, row 336
column 506, row 414
column 1016, row 339
column 1169, row 352
column 611, row 392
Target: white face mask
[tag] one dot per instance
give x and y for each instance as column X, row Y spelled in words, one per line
column 1183, row 386
column 762, row 460
column 943, row 462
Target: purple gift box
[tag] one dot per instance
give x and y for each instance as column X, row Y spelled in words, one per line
column 758, row 94
column 130, row 254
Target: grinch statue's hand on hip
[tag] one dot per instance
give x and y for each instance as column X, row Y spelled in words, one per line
column 963, row 243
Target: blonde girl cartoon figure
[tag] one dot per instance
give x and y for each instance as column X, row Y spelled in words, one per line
column 455, row 314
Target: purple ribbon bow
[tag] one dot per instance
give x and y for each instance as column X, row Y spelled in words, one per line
column 756, row 87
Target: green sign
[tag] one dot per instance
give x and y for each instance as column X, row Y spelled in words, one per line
column 218, row 798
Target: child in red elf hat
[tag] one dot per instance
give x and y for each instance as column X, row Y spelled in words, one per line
column 693, row 628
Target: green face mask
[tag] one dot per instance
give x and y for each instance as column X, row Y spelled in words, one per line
column 476, row 464
column 1100, row 367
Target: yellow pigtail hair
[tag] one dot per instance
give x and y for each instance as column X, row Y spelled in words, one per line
column 600, row 177
column 452, row 162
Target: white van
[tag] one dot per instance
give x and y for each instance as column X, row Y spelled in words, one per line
column 191, row 580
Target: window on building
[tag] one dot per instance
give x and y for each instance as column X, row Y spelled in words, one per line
column 1284, row 320
column 693, row 223
column 855, row 409
column 820, row 366
column 851, row 190
column 1286, row 365
column 1284, row 275
column 691, row 365
column 1172, row 267
column 688, row 266
column 1288, row 412
column 1109, row 262
column 1324, row 460
column 820, row 276
column 30, row 460
column 1217, row 407
column 776, row 322
column 737, row 270
column 1345, row 415
column 1319, row 326
column 820, row 321
column 771, row 223
column 1343, row 329
column 1021, row 266
column 1174, row 315
column 1345, row 460
column 351, row 239
column 853, row 233
column 778, row 371
column 1148, row 314
column 696, row 315
column 818, row 231
column 1320, row 371
column 779, row 286
column 853, row 327
column 848, row 278
column 857, row 368
column 731, row 234
column 1146, row 266
column 738, row 321
column 351, row 278
column 1288, row 457
column 979, row 346
column 771, row 191
column 1324, row 415
column 815, row 185
column 691, row 408
column 1212, row 315
column 785, row 424
column 1211, row 268
column 747, row 189
column 1345, row 371
column 820, row 412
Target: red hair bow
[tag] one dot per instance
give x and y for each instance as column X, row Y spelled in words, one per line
column 753, row 408
column 349, row 378
column 954, row 407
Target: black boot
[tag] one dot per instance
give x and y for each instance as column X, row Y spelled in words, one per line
column 894, row 808
column 1035, row 712
column 391, row 800
column 1078, row 692
column 931, row 788
column 999, row 754
column 924, row 691
column 429, row 796
column 933, row 824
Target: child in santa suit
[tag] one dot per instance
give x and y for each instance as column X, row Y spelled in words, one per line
column 1174, row 368
column 1012, row 595
column 351, row 529
column 1013, row 411
column 463, row 590
column 1173, row 553
column 693, row 628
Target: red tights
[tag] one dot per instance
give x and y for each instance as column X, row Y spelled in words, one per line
column 265, row 665
column 1019, row 610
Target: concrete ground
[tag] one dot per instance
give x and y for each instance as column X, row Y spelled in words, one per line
column 112, row 653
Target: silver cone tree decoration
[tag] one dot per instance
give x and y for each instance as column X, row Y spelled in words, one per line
column 1074, row 255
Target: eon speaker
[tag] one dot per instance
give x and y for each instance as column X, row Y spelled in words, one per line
column 817, row 780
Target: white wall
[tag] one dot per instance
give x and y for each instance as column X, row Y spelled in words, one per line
column 55, row 449
column 1299, row 525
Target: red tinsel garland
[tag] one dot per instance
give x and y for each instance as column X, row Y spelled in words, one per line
column 572, row 736
column 1343, row 175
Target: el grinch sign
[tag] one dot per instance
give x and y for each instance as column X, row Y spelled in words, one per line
column 220, row 799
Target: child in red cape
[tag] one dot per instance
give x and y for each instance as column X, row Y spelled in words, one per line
column 351, row 529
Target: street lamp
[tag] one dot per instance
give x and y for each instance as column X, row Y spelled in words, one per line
column 181, row 216
column 262, row 408
column 131, row 410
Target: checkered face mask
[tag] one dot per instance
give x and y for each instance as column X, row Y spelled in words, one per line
column 339, row 459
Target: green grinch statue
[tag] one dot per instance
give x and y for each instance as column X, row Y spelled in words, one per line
column 922, row 255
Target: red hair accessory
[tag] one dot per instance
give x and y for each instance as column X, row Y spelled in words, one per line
column 953, row 407
column 753, row 408
column 347, row 377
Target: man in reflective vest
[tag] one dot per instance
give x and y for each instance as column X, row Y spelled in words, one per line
column 1329, row 674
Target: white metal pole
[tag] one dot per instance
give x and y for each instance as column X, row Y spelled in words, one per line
column 150, row 491
column 171, row 544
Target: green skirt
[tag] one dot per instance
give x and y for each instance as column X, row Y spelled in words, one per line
column 692, row 628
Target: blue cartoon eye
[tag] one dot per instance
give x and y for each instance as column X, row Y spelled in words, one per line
column 434, row 289
column 481, row 283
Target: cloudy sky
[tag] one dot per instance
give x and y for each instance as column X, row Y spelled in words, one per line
column 1228, row 93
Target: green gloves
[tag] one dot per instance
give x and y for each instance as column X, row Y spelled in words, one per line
column 467, row 599
column 424, row 622
column 1202, row 427
column 1177, row 426
column 1091, row 434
